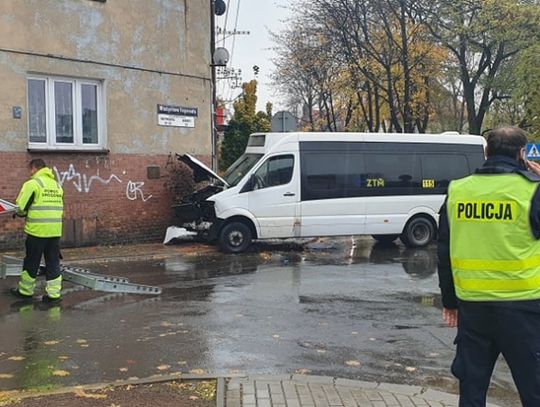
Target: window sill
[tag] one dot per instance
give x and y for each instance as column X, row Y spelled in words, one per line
column 68, row 150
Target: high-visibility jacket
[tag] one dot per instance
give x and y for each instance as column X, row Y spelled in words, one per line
column 46, row 199
column 493, row 254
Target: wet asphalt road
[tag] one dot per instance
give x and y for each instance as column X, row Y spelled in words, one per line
column 349, row 309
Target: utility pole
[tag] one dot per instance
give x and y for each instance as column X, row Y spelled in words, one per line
column 214, row 99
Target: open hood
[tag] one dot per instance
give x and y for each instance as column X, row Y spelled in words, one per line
column 200, row 171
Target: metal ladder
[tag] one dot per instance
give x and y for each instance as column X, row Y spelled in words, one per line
column 12, row 266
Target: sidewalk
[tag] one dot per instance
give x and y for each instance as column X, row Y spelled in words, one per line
column 322, row 391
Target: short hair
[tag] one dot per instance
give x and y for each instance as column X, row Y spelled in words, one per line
column 37, row 163
column 506, row 141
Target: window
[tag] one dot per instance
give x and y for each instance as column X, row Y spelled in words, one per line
column 324, row 175
column 275, row 171
column 443, row 168
column 65, row 114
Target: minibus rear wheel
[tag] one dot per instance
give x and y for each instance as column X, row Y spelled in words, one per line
column 385, row 239
column 418, row 232
column 235, row 237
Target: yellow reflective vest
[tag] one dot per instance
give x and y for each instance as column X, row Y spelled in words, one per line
column 493, row 254
column 44, row 216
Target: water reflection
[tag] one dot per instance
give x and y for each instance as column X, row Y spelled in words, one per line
column 419, row 263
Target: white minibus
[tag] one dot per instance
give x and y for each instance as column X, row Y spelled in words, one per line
column 297, row 185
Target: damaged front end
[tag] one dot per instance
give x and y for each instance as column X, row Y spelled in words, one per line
column 195, row 213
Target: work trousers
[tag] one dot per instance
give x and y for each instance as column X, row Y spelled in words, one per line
column 484, row 332
column 49, row 248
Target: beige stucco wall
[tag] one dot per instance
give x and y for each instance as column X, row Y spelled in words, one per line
column 146, row 52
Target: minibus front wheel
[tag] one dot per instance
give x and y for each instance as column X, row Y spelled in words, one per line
column 235, row 237
column 418, row 232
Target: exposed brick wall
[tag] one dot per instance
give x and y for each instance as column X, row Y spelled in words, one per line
column 109, row 199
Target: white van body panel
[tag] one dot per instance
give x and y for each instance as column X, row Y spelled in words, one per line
column 280, row 211
column 389, row 214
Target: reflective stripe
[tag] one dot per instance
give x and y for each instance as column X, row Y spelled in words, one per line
column 495, row 265
column 54, row 287
column 27, row 284
column 499, row 285
column 47, row 208
column 44, row 220
column 40, row 182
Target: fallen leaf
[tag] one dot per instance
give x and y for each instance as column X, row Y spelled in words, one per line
column 62, row 358
column 82, row 341
column 275, row 336
column 321, row 351
column 165, row 324
column 163, row 367
column 372, row 339
column 50, row 343
column 6, row 376
column 16, row 358
column 123, row 369
column 60, row 373
column 352, row 363
column 197, row 371
column 302, row 371
column 84, row 345
column 193, row 398
column 82, row 393
column 410, row 369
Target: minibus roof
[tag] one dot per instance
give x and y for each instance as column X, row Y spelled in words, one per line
column 272, row 139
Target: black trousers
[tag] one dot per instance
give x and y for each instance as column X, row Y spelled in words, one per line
column 484, row 332
column 47, row 247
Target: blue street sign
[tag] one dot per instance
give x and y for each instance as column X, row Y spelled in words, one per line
column 533, row 151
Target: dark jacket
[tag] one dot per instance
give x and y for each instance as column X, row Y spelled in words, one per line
column 494, row 165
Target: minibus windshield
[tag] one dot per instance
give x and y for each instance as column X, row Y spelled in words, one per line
column 240, row 167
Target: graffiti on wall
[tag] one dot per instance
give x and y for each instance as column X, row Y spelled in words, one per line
column 134, row 189
column 83, row 182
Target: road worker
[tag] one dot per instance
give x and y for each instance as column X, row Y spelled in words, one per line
column 489, row 269
column 41, row 202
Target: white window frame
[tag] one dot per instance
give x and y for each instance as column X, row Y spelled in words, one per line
column 50, row 116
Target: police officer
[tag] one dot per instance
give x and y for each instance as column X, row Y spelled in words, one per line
column 489, row 269
column 41, row 202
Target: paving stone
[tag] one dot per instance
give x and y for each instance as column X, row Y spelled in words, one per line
column 332, row 395
column 400, row 388
column 248, row 399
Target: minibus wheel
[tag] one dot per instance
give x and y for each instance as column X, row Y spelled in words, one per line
column 235, row 237
column 386, row 239
column 418, row 232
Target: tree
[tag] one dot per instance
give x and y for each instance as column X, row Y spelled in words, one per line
column 483, row 38
column 244, row 122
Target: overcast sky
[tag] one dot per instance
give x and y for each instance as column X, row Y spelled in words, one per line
column 257, row 17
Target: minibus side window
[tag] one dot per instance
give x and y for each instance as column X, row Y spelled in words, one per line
column 324, row 175
column 275, row 171
column 389, row 174
column 439, row 169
